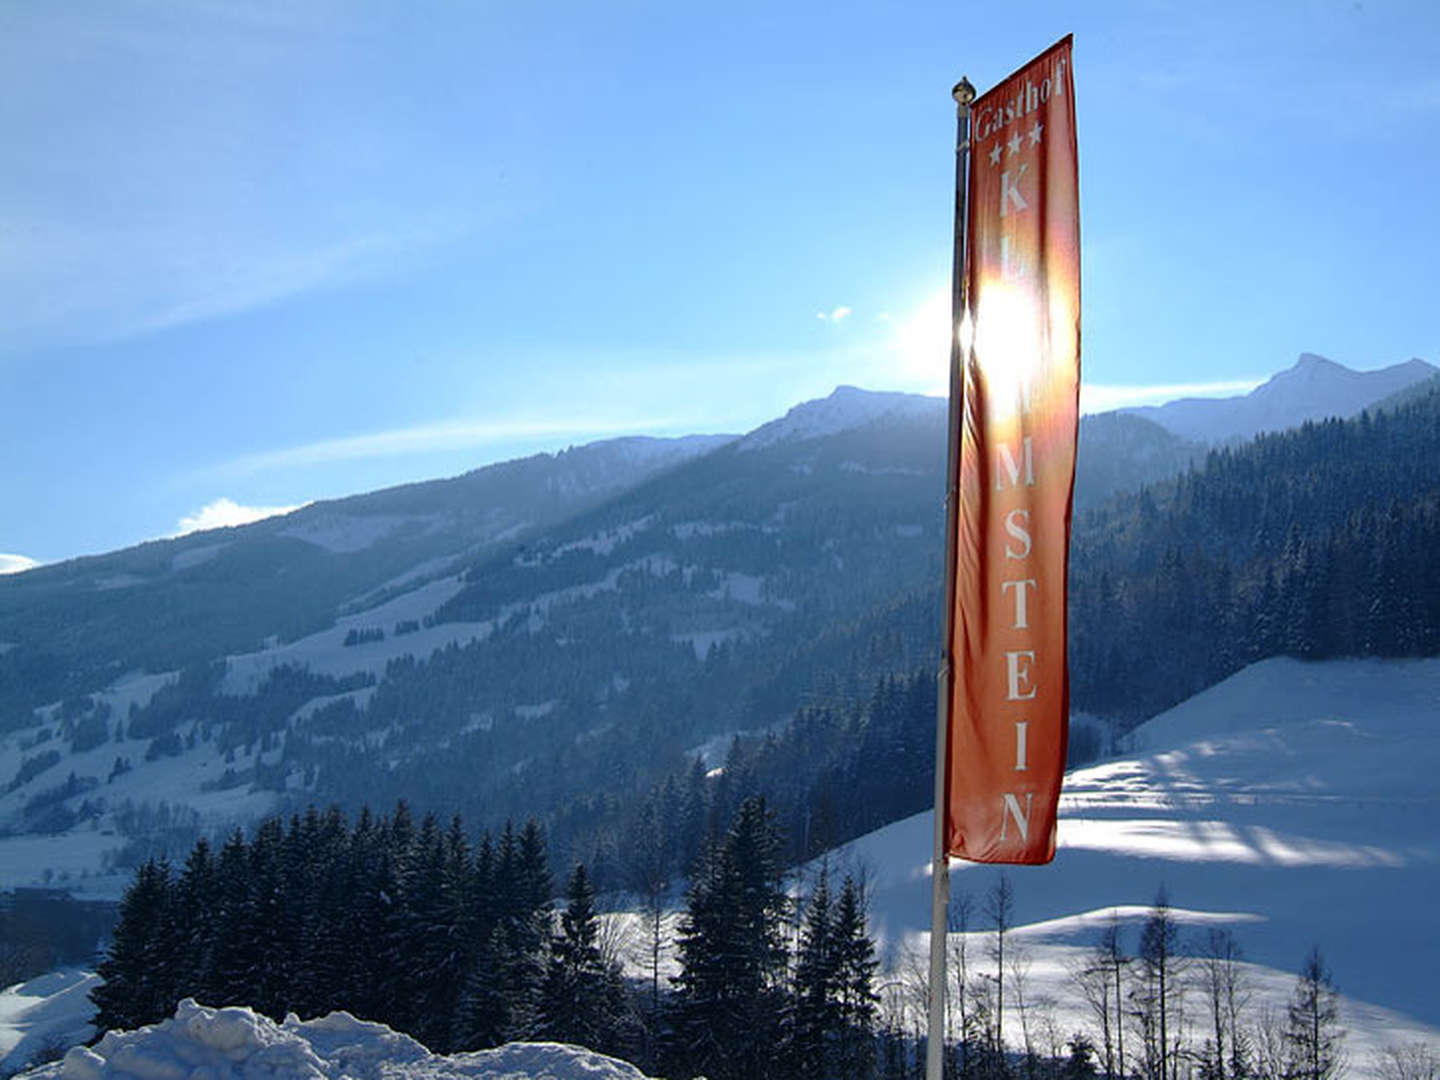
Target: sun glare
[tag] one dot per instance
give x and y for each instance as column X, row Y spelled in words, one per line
column 922, row 345
column 1007, row 346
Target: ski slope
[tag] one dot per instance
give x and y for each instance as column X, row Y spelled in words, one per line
column 1296, row 804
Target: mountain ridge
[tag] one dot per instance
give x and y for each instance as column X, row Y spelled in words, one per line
column 1313, row 388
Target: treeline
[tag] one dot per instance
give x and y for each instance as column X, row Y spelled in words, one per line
column 462, row 946
column 407, row 924
column 831, row 774
column 1315, row 543
column 1159, row 1004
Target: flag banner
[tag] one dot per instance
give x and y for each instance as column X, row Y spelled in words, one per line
column 1010, row 704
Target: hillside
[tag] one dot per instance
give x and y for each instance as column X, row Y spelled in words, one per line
column 658, row 598
column 1293, row 803
column 76, row 626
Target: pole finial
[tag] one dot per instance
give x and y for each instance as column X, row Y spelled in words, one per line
column 964, row 93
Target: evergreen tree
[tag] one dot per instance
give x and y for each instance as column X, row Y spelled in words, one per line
column 269, row 943
column 1313, row 1036
column 732, row 954
column 135, row 972
column 582, row 1000
column 855, row 966
column 225, row 980
column 817, row 1023
column 192, row 932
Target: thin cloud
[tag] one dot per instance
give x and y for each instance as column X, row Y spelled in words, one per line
column 170, row 201
column 836, row 314
column 15, row 564
column 224, row 513
column 432, row 438
column 1102, row 398
column 105, row 284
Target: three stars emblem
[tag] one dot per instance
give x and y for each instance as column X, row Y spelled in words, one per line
column 1016, row 141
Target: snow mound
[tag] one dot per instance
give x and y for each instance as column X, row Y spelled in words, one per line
column 236, row 1043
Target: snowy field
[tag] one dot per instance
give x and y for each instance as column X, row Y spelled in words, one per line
column 1296, row 804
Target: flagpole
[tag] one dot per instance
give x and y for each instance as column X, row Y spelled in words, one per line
column 964, row 94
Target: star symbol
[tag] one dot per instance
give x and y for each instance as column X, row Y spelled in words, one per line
column 995, row 154
column 1035, row 133
column 1014, row 144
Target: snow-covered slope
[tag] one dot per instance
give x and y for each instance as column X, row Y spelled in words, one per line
column 1295, row 803
column 235, row 1042
column 44, row 1016
column 1314, row 389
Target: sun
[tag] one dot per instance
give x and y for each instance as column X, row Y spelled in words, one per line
column 922, row 346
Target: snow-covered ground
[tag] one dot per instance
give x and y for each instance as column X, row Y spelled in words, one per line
column 1296, row 804
column 44, row 1016
column 220, row 1044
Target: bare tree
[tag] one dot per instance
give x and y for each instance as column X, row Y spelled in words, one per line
column 1000, row 909
column 989, row 1059
column 1414, row 1061
column 1019, row 964
column 1111, row 953
column 1222, row 981
column 1161, row 991
column 958, row 920
column 1090, row 976
column 1269, row 1060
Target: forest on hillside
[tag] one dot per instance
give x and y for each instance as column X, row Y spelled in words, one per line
column 464, row 947
column 1314, row 543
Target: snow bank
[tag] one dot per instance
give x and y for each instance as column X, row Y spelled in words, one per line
column 235, row 1043
column 50, row 1010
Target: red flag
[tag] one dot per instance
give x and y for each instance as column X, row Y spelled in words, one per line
column 1010, row 698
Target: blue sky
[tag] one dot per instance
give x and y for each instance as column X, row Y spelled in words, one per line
column 255, row 254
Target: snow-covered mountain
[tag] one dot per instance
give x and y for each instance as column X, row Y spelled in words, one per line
column 1314, row 389
column 847, row 408
column 195, row 673
column 619, row 602
column 1294, row 803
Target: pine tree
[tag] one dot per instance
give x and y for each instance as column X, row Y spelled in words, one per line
column 855, row 966
column 269, row 941
column 422, row 938
column 136, row 969
column 732, row 953
column 225, row 980
column 582, row 1000
column 817, row 1023
column 1313, row 1036
column 192, row 931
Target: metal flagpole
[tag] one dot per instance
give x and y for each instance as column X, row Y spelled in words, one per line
column 964, row 94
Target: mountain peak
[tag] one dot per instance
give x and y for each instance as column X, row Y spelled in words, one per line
column 1314, row 388
column 1315, row 362
column 846, row 408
